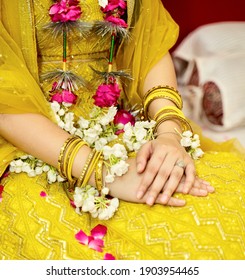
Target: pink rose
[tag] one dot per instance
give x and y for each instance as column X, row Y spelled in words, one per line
column 65, row 10
column 57, row 97
column 69, row 97
column 64, row 96
column 107, row 95
column 114, row 4
column 122, row 116
column 117, row 21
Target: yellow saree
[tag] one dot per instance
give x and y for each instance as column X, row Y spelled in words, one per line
column 37, row 227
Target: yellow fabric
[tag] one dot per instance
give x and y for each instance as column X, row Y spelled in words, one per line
column 35, row 227
column 140, row 53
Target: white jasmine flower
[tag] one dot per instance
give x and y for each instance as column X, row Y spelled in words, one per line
column 109, row 117
column 195, row 144
column 185, row 142
column 12, row 168
column 79, row 133
column 140, row 133
column 32, row 173
column 26, row 167
column 83, row 123
column 97, row 127
column 100, row 144
column 187, row 134
column 46, row 168
column 104, row 214
column 38, row 170
column 197, row 153
column 109, row 178
column 103, row 3
column 51, row 174
column 18, row 169
column 91, row 136
column 66, row 104
column 119, row 151
column 55, row 106
column 137, row 146
column 61, row 124
column 88, row 205
column 18, row 163
column 24, row 157
column 78, row 200
column 60, row 179
column 61, row 112
column 114, row 202
column 31, row 157
column 105, row 191
column 119, row 168
column 107, row 152
column 128, row 131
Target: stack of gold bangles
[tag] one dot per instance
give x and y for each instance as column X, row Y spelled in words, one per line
column 94, row 163
column 168, row 112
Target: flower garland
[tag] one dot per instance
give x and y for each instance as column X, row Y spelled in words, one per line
column 111, row 128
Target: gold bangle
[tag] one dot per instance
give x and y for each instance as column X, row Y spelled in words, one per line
column 71, row 159
column 67, row 155
column 167, row 92
column 172, row 117
column 99, row 174
column 91, row 167
column 85, row 168
column 60, row 165
column 165, row 87
column 167, row 109
column 162, row 94
column 148, row 102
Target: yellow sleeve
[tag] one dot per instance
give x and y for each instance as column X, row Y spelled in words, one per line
column 19, row 90
column 153, row 33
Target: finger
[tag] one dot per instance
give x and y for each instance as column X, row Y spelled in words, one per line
column 204, row 185
column 152, row 169
column 172, row 184
column 142, row 157
column 160, row 179
column 198, row 192
column 173, row 201
column 190, row 172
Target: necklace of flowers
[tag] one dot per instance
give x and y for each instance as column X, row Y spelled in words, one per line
column 108, row 120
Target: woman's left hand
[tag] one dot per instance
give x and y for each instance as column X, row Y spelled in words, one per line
column 163, row 162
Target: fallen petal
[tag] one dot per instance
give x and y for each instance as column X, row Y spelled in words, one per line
column 82, row 237
column 99, row 231
column 108, row 256
column 43, row 194
column 96, row 244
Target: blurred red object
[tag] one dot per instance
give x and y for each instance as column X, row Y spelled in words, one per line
column 190, row 14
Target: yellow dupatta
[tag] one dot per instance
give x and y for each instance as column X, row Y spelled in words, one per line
column 152, row 29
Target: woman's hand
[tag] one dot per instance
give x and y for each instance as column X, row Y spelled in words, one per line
column 163, row 162
column 126, row 187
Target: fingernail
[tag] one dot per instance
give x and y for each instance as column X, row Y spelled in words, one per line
column 150, row 200
column 182, row 202
column 164, row 198
column 204, row 192
column 139, row 194
column 210, row 188
column 139, row 167
column 186, row 190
